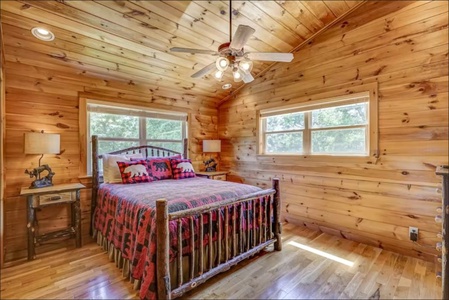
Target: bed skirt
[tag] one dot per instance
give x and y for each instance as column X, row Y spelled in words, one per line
column 115, row 255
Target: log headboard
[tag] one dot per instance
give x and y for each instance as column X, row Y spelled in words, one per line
column 146, row 150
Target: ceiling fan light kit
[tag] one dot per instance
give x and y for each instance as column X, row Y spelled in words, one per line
column 232, row 55
column 222, row 63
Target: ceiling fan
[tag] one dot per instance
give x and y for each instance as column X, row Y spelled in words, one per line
column 232, row 55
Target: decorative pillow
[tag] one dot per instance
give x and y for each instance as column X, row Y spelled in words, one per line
column 134, row 171
column 111, row 172
column 160, row 168
column 182, row 168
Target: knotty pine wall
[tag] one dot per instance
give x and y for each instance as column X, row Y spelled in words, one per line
column 2, row 135
column 39, row 98
column 403, row 46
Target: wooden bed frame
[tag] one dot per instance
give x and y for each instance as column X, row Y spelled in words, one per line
column 233, row 248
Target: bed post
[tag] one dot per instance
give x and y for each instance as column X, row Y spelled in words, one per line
column 277, row 215
column 186, row 149
column 162, row 255
column 95, row 181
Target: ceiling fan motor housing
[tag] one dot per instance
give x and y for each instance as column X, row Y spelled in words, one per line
column 225, row 51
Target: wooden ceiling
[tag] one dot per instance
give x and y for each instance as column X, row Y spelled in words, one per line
column 129, row 41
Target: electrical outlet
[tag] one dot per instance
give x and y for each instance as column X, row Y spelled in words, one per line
column 413, row 233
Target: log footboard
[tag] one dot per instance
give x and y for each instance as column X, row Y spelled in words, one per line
column 258, row 214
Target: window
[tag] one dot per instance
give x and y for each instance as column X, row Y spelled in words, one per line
column 337, row 126
column 120, row 127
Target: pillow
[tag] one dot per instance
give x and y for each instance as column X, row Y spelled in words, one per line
column 182, row 168
column 111, row 172
column 160, row 168
column 134, row 171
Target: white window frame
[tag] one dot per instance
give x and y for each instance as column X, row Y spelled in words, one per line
column 130, row 110
column 307, row 107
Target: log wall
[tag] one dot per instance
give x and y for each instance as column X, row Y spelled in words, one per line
column 47, row 98
column 403, row 46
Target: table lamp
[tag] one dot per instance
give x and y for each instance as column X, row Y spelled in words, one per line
column 41, row 143
column 211, row 146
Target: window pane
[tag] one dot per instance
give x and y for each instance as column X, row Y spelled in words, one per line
column 284, row 142
column 110, row 146
column 342, row 141
column 172, row 146
column 160, row 129
column 353, row 114
column 109, row 125
column 285, row 122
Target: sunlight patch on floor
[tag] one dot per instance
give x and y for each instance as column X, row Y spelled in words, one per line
column 322, row 253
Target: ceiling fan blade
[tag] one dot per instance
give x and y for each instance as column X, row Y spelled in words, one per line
column 204, row 70
column 247, row 77
column 270, row 56
column 241, row 36
column 193, row 51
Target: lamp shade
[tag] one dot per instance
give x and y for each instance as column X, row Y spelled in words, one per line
column 42, row 143
column 211, row 146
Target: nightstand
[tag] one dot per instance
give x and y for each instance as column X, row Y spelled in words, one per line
column 219, row 175
column 57, row 194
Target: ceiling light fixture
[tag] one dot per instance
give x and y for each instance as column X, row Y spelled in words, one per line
column 234, row 59
column 226, row 86
column 43, row 34
column 232, row 55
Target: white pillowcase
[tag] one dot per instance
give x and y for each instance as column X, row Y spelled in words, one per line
column 111, row 172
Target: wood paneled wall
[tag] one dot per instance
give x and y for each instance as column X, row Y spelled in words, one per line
column 39, row 98
column 2, row 135
column 403, row 46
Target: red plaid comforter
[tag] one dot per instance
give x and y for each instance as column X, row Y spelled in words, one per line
column 125, row 215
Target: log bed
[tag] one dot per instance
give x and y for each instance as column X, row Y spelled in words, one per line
column 209, row 254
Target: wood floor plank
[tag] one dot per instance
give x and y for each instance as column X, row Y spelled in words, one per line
column 302, row 269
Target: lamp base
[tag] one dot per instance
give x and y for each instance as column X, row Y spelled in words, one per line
column 211, row 165
column 41, row 182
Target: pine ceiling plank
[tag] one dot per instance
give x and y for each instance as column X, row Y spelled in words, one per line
column 282, row 16
column 196, row 25
column 59, row 75
column 279, row 40
column 98, row 49
column 248, row 13
column 359, row 17
column 198, row 41
column 351, row 3
column 42, row 59
column 84, row 41
column 162, row 38
column 73, row 26
column 166, row 11
column 203, row 15
column 302, row 14
column 33, row 10
column 150, row 19
column 22, row 38
column 337, row 7
column 320, row 10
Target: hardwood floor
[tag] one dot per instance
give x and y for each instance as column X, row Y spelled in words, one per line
column 301, row 270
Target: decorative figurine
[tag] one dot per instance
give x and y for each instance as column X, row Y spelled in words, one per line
column 41, row 182
column 211, row 165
